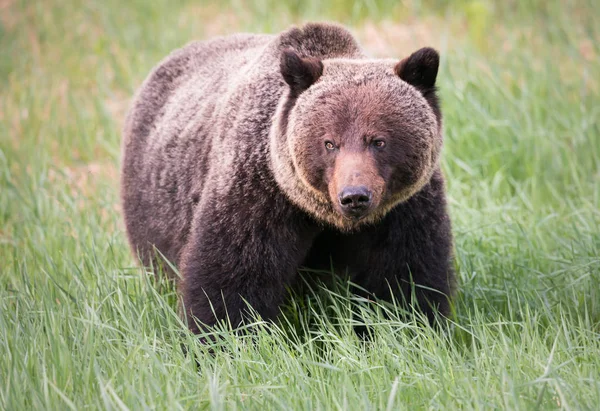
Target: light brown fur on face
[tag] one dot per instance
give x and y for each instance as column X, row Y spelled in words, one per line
column 354, row 169
column 353, row 102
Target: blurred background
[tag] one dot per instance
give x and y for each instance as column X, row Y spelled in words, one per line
column 520, row 90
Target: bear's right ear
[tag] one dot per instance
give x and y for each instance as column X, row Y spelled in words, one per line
column 299, row 72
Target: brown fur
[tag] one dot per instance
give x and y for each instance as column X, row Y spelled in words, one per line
column 226, row 173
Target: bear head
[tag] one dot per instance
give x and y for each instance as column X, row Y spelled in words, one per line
column 352, row 138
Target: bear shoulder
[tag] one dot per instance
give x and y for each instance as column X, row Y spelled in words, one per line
column 320, row 40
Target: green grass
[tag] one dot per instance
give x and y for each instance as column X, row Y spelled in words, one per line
column 82, row 327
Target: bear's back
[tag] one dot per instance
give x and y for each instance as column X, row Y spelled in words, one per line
column 200, row 64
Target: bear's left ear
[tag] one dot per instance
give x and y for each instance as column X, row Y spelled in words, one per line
column 420, row 69
column 299, row 72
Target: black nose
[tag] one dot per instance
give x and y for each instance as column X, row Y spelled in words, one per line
column 355, row 200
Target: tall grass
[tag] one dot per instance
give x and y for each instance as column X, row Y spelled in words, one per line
column 81, row 326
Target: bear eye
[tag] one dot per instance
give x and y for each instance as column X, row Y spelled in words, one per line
column 379, row 143
column 329, row 145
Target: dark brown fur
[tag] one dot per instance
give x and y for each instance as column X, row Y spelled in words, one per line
column 225, row 171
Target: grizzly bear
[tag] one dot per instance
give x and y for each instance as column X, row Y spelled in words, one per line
column 250, row 156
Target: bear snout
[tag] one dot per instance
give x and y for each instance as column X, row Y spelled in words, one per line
column 355, row 201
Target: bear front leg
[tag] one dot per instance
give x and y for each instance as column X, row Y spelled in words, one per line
column 408, row 255
column 241, row 255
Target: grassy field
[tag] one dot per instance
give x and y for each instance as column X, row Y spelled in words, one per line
column 82, row 327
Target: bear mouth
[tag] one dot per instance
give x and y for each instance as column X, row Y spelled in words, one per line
column 354, row 214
